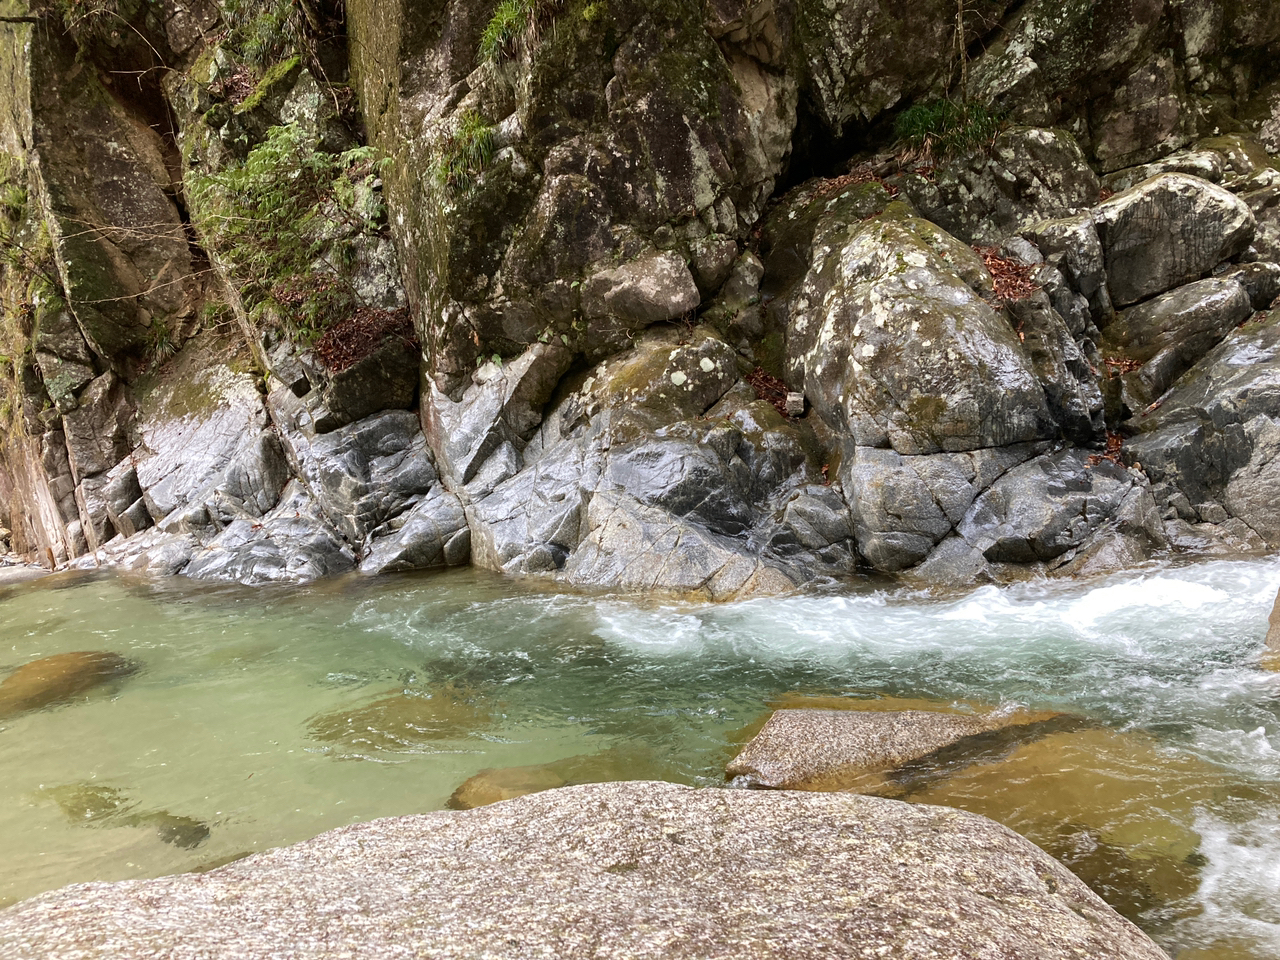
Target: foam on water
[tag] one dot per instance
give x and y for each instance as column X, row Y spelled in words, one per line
column 216, row 725
column 1239, row 895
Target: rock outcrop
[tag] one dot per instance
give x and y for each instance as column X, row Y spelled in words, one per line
column 612, row 870
column 637, row 295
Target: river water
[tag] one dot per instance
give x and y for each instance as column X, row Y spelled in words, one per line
column 264, row 716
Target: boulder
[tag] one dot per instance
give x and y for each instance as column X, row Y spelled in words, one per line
column 641, row 293
column 894, row 346
column 58, row 678
column 293, row 543
column 208, row 454
column 851, row 749
column 1028, row 175
column 1213, row 441
column 1166, row 335
column 362, row 475
column 1040, row 510
column 639, row 870
column 433, row 533
column 98, row 429
column 1168, row 231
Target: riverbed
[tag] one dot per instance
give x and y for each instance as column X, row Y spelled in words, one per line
column 263, row 716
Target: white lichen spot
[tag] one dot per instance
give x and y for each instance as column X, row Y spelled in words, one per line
column 678, row 378
column 926, row 343
column 915, row 325
column 857, row 329
column 707, row 364
column 868, row 351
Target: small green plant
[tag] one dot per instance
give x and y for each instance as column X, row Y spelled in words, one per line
column 160, row 343
column 594, row 11
column 282, row 220
column 464, row 154
column 509, row 23
column 514, row 28
column 942, row 129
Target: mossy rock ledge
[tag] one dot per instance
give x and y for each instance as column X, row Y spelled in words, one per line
column 637, row 869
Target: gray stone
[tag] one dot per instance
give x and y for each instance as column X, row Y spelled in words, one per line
column 637, row 870
column 362, row 475
column 641, row 293
column 690, row 561
column 1168, row 231
column 1205, row 164
column 291, row 544
column 1028, row 175
column 1261, row 281
column 1082, row 262
column 1168, row 334
column 807, row 749
column 1041, row 509
column 1215, row 438
column 503, row 405
column 893, row 348
column 208, row 454
column 434, row 533
column 1070, row 380
column 98, row 429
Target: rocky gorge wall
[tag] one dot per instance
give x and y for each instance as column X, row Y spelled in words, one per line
column 291, row 290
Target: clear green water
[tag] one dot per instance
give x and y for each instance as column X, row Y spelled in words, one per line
column 225, row 725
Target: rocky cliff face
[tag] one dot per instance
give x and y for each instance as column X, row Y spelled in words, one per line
column 290, row 291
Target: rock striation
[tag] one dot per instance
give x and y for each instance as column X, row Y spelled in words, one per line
column 638, row 295
column 634, row 869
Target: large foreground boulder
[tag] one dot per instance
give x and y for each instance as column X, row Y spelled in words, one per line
column 633, row 870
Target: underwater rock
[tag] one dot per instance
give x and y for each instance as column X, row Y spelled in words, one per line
column 59, row 677
column 637, row 870
column 504, row 783
column 1115, row 807
column 852, row 749
column 403, row 720
column 97, row 805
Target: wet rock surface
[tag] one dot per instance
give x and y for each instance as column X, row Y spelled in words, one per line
column 630, row 869
column 1210, row 448
column 853, row 749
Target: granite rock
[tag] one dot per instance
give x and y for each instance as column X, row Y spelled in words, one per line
column 637, row 870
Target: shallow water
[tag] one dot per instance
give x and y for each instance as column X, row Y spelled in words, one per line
column 269, row 715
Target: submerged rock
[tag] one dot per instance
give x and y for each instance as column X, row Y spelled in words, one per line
column 102, row 806
column 403, row 720
column 1116, row 807
column 58, row 678
column 853, row 749
column 636, row 870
